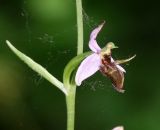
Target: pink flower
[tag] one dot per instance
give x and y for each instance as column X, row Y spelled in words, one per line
column 101, row 60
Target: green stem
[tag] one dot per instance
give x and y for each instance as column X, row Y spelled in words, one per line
column 70, row 100
column 79, row 27
column 71, row 87
column 69, row 83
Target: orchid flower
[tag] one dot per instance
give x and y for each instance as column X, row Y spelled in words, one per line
column 101, row 59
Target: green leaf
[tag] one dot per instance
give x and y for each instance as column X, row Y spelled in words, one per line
column 38, row 68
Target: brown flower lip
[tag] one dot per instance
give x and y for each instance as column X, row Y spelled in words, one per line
column 110, row 70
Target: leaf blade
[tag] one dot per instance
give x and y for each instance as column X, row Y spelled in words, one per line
column 38, row 68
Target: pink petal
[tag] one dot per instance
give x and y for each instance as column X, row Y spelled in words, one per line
column 121, row 68
column 118, row 128
column 95, row 32
column 87, row 68
column 94, row 46
column 93, row 43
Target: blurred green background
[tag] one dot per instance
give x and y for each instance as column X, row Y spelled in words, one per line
column 46, row 31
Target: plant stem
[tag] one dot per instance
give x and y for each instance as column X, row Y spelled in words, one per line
column 70, row 100
column 79, row 27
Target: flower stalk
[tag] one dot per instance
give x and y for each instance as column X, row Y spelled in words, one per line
column 71, row 88
column 69, row 83
column 79, row 27
column 70, row 102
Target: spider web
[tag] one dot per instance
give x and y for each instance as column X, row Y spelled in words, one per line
column 49, row 40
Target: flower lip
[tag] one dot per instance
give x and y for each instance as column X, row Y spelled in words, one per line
column 110, row 70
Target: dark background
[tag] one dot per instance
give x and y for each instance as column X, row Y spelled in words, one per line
column 46, row 31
